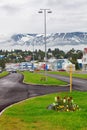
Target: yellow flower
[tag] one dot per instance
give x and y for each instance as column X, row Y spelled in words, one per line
column 67, row 109
column 64, row 100
column 55, row 99
column 61, row 106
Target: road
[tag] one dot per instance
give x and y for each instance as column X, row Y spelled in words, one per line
column 78, row 84
column 12, row 90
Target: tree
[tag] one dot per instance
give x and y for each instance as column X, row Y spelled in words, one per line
column 2, row 64
column 77, row 66
column 59, row 54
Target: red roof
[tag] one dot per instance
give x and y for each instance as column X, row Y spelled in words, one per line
column 85, row 49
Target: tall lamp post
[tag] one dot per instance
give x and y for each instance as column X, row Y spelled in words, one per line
column 33, row 55
column 45, row 11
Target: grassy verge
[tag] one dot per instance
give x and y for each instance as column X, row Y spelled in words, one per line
column 35, row 78
column 76, row 75
column 33, row 114
column 4, row 73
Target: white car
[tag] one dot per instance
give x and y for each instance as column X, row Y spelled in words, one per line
column 31, row 70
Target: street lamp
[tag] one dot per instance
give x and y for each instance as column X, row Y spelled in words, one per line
column 33, row 55
column 45, row 11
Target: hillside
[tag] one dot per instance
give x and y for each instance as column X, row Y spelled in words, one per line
column 64, row 41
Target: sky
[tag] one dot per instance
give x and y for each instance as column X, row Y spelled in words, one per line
column 21, row 16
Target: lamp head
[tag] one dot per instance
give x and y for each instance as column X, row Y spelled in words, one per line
column 49, row 11
column 40, row 11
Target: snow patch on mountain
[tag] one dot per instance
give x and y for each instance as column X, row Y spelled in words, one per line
column 63, row 41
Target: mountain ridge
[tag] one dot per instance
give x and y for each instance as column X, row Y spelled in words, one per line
column 53, row 40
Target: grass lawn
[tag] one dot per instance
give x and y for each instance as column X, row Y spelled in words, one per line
column 77, row 75
column 4, row 73
column 33, row 114
column 35, row 78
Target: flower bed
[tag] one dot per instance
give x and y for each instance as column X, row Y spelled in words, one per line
column 64, row 104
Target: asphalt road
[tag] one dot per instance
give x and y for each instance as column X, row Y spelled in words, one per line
column 77, row 83
column 12, row 90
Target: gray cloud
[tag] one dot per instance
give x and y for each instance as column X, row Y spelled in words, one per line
column 22, row 15
column 66, row 2
column 10, row 9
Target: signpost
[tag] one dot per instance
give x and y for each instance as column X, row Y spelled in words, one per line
column 70, row 78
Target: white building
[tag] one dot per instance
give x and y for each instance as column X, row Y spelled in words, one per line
column 79, row 61
column 84, row 59
column 62, row 64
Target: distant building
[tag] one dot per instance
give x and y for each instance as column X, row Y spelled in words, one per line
column 25, row 65
column 79, row 61
column 18, row 66
column 51, row 63
column 63, row 64
column 84, row 59
column 11, row 66
column 1, row 57
column 51, row 60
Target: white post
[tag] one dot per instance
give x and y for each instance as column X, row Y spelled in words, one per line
column 48, row 11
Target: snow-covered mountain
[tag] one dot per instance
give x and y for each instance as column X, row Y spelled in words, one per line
column 64, row 41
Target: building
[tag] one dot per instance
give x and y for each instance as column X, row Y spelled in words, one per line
column 2, row 57
column 84, row 59
column 25, row 65
column 79, row 61
column 63, row 64
column 11, row 66
column 51, row 63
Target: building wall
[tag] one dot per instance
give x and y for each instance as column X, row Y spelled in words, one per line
column 60, row 64
column 84, row 59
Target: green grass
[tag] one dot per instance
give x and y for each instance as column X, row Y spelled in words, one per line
column 35, row 78
column 76, row 75
column 4, row 73
column 33, row 114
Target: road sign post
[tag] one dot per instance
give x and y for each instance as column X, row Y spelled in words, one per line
column 70, row 78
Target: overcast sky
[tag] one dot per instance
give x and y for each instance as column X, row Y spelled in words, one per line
column 21, row 16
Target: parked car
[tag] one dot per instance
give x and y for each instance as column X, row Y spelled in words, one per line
column 31, row 70
column 14, row 71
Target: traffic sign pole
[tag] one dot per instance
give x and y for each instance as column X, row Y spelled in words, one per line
column 70, row 78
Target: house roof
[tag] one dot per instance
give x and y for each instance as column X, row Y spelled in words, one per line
column 85, row 49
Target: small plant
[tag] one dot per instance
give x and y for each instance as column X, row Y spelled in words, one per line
column 64, row 104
